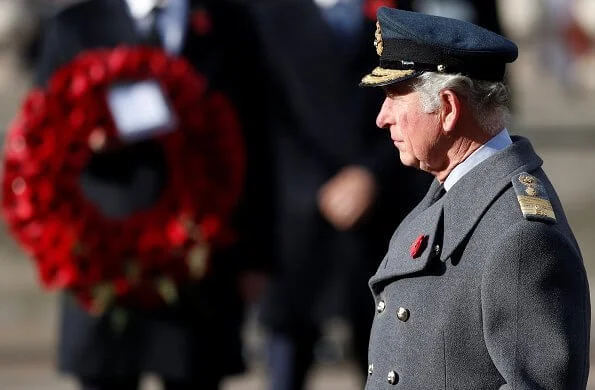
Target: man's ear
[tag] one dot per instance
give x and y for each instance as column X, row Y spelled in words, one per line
column 450, row 111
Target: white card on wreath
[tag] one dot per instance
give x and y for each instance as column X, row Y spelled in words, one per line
column 140, row 110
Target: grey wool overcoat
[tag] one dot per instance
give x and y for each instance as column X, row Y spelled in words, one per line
column 484, row 288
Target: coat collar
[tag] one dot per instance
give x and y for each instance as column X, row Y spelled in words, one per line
column 473, row 194
column 457, row 212
column 400, row 260
column 421, row 206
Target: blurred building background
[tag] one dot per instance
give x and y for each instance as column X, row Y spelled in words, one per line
column 554, row 97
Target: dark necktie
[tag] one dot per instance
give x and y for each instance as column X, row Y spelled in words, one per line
column 440, row 191
column 153, row 37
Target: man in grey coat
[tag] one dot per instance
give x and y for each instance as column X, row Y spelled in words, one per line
column 483, row 285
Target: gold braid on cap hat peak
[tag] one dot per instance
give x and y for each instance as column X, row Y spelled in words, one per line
column 380, row 76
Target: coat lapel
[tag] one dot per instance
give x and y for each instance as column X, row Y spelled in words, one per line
column 125, row 26
column 421, row 206
column 457, row 212
column 469, row 198
column 400, row 259
column 95, row 32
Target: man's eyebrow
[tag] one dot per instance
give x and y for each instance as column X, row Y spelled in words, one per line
column 396, row 89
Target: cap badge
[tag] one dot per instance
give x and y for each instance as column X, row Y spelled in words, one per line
column 418, row 246
column 378, row 39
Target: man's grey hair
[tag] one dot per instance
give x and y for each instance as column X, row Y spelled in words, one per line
column 489, row 101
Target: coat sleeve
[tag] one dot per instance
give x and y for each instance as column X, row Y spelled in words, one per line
column 536, row 309
column 51, row 56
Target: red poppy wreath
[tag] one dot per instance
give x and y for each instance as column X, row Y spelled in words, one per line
column 143, row 258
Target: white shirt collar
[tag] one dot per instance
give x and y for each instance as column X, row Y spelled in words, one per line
column 140, row 9
column 498, row 142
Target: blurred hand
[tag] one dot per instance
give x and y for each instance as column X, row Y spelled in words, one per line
column 252, row 285
column 346, row 197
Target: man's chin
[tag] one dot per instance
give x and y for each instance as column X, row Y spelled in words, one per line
column 409, row 162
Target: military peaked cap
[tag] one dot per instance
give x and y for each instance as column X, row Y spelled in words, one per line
column 411, row 43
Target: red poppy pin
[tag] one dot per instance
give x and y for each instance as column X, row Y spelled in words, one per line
column 418, row 246
column 371, row 7
column 200, row 21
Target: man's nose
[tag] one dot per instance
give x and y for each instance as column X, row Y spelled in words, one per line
column 382, row 118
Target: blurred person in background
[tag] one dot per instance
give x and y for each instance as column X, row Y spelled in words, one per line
column 196, row 342
column 484, row 13
column 340, row 190
column 563, row 41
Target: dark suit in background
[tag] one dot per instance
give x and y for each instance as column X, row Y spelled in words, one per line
column 196, row 342
column 323, row 123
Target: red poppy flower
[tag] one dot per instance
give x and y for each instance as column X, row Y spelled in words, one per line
column 418, row 246
column 122, row 287
column 177, row 234
column 200, row 21
column 371, row 6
